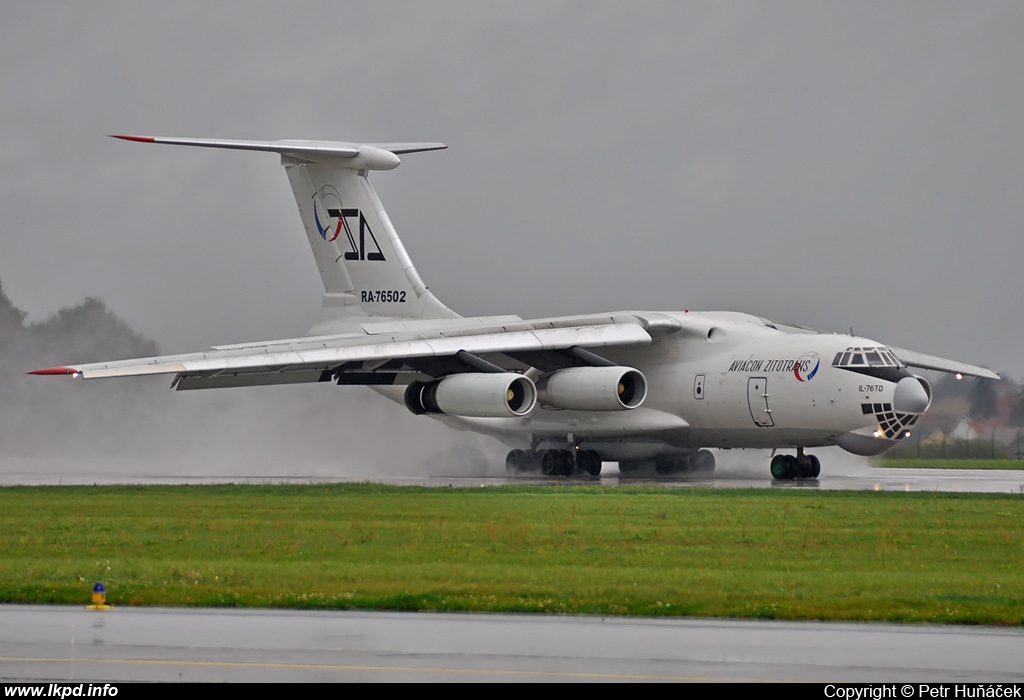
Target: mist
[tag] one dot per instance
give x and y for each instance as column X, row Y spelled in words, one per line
column 58, row 428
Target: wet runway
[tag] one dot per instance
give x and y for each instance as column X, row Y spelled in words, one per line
column 950, row 480
column 162, row 644
column 855, row 477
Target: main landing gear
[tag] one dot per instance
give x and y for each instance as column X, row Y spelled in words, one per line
column 699, row 463
column 553, row 462
column 802, row 466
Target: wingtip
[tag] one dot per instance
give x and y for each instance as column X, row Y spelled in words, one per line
column 140, row 139
column 48, row 371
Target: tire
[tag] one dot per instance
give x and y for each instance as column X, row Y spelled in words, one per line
column 815, row 470
column 515, row 462
column 802, row 468
column 703, row 463
column 792, row 467
column 566, row 463
column 589, row 461
column 781, row 468
column 550, row 463
column 666, row 466
column 531, row 462
column 557, row 463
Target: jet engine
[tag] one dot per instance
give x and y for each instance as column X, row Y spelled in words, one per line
column 593, row 388
column 476, row 394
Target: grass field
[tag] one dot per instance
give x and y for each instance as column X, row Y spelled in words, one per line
column 951, row 463
column 575, row 549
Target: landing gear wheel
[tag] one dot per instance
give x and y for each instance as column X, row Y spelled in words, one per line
column 515, row 462
column 783, row 467
column 666, row 466
column 550, row 463
column 557, row 463
column 803, row 467
column 568, row 463
column 815, row 469
column 793, row 464
column 778, row 467
column 702, row 463
column 588, row 461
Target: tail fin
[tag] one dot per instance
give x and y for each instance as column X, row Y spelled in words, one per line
column 363, row 264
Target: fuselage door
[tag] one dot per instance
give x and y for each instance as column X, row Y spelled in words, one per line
column 757, row 399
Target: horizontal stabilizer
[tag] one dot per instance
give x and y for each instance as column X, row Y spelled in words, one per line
column 368, row 156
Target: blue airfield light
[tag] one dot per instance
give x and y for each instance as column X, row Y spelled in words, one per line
column 99, row 597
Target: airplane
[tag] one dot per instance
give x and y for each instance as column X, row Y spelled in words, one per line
column 651, row 390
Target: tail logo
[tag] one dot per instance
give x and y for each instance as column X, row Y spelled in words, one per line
column 332, row 218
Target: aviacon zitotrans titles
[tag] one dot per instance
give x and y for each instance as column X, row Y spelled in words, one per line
column 651, row 390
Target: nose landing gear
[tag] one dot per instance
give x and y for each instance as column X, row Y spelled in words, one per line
column 802, row 466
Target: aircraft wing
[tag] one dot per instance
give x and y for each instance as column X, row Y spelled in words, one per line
column 393, row 352
column 939, row 364
column 908, row 357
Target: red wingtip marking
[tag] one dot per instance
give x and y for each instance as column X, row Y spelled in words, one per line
column 142, row 139
column 55, row 370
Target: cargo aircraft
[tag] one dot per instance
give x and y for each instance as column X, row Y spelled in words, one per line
column 651, row 390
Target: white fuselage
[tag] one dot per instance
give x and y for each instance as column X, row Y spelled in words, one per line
column 745, row 384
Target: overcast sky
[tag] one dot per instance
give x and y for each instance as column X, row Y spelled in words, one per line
column 833, row 164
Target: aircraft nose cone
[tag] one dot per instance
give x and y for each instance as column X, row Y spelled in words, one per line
column 910, row 396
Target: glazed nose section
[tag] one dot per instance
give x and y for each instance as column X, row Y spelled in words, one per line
column 912, row 396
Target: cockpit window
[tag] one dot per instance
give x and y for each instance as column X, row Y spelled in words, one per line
column 860, row 357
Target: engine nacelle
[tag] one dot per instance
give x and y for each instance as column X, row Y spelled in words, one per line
column 593, row 388
column 476, row 395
